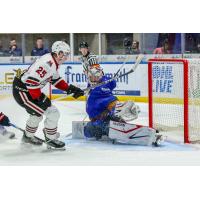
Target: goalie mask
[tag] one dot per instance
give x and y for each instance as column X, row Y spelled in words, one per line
column 95, row 73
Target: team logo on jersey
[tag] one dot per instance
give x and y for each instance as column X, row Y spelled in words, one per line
column 18, row 72
column 105, row 89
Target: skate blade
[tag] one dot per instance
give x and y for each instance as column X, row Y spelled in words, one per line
column 50, row 148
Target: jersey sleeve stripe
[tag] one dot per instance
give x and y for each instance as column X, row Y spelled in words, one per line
column 55, row 82
column 32, row 82
column 34, row 79
column 33, row 86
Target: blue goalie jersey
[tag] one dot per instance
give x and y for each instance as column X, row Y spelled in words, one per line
column 100, row 97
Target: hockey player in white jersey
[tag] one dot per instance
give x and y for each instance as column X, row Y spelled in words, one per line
column 27, row 92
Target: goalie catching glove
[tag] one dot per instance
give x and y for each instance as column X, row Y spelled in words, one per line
column 77, row 92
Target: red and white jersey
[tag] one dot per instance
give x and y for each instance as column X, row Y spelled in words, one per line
column 42, row 71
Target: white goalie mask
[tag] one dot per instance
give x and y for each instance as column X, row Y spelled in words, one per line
column 94, row 74
column 61, row 47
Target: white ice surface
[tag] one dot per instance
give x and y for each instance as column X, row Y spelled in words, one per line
column 81, row 152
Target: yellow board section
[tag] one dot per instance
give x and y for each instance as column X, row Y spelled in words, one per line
column 121, row 98
column 5, row 96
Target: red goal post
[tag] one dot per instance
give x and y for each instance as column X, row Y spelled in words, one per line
column 185, row 88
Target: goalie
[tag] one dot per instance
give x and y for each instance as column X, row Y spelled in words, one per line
column 108, row 116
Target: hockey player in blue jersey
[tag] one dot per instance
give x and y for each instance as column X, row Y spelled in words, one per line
column 109, row 117
column 100, row 104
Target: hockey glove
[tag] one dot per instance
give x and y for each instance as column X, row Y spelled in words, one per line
column 43, row 101
column 77, row 92
column 4, row 120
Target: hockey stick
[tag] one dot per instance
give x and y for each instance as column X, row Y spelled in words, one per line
column 22, row 130
column 121, row 66
column 13, row 125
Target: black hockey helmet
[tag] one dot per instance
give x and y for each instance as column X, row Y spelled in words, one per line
column 83, row 45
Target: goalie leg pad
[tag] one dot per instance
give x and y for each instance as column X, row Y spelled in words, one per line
column 131, row 133
column 96, row 129
column 81, row 130
column 78, row 129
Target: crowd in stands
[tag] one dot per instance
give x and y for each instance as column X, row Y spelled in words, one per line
column 167, row 43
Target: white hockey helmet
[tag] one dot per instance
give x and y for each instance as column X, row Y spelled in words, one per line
column 60, row 46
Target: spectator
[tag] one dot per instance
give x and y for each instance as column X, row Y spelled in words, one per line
column 39, row 49
column 13, row 49
column 165, row 49
column 197, row 48
column 1, row 49
column 135, row 47
column 131, row 47
column 190, row 43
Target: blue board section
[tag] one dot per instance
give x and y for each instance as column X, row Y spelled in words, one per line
column 127, row 92
column 115, row 92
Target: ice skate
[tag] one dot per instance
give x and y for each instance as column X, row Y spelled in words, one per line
column 54, row 143
column 158, row 141
column 32, row 140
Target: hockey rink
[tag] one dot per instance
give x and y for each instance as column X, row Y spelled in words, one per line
column 82, row 152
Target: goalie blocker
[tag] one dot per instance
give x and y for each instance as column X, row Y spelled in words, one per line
column 122, row 133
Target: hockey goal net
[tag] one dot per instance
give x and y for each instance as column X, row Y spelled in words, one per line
column 174, row 97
